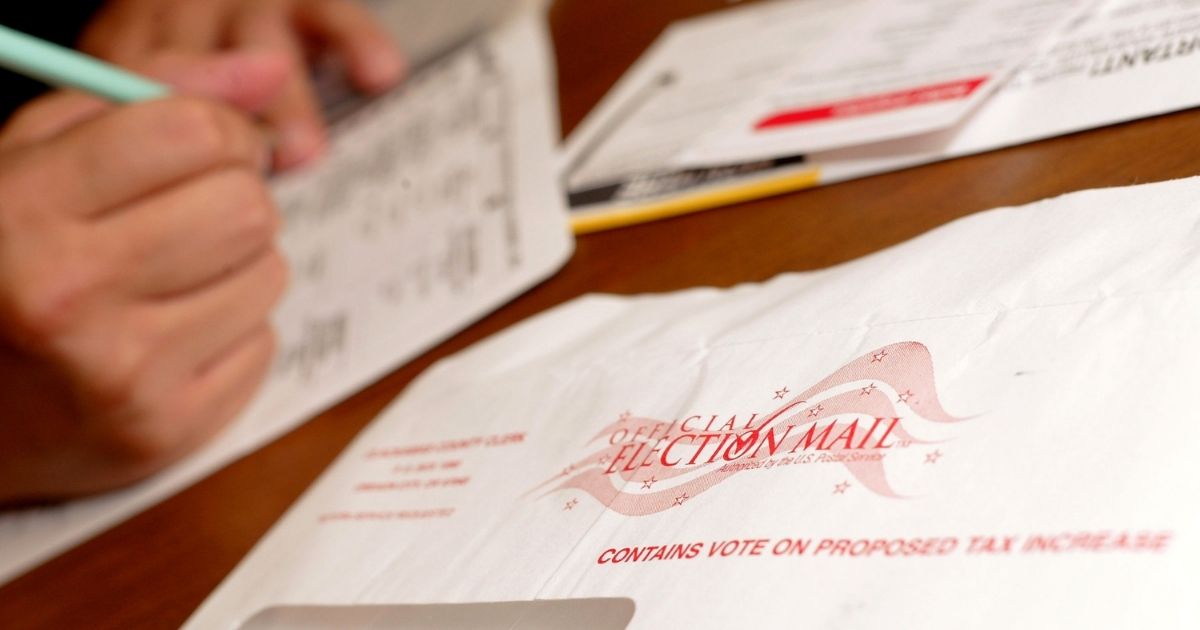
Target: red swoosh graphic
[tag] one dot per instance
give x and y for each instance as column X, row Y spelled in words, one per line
column 905, row 367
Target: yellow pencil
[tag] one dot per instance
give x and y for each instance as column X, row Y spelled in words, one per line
column 585, row 221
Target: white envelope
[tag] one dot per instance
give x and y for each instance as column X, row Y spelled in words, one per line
column 788, row 78
column 1123, row 60
column 990, row 426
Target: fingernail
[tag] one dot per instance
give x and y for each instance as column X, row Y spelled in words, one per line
column 298, row 143
column 383, row 70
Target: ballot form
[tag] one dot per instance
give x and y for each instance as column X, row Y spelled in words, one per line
column 796, row 76
column 717, row 110
column 988, row 426
column 1123, row 60
column 435, row 205
column 880, row 70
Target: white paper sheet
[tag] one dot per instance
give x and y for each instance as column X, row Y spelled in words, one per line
column 1124, row 60
column 435, row 205
column 896, row 70
column 792, row 77
column 989, row 426
column 1128, row 59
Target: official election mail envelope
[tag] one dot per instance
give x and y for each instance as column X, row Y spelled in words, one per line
column 993, row 425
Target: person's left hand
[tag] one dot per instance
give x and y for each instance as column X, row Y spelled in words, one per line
column 128, row 31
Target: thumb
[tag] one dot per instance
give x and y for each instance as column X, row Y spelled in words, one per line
column 248, row 80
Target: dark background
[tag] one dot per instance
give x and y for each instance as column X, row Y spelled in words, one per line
column 60, row 21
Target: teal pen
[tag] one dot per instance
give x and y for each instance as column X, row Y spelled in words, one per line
column 63, row 67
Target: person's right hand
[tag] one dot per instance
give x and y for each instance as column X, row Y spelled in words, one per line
column 137, row 273
column 130, row 31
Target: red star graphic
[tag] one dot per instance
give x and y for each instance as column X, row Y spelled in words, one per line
column 931, row 458
column 647, row 483
column 866, row 391
column 841, row 487
column 904, row 396
column 816, row 411
column 780, row 393
column 878, row 356
column 571, row 504
column 681, row 498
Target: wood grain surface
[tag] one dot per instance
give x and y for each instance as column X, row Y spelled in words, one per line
column 153, row 570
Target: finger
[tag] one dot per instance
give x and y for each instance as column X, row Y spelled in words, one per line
column 248, row 80
column 173, row 417
column 192, row 234
column 224, row 387
column 193, row 26
column 133, row 151
column 198, row 327
column 120, row 32
column 371, row 55
column 295, row 116
column 48, row 116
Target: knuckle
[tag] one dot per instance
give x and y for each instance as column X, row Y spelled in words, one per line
column 140, row 431
column 253, row 212
column 49, row 308
column 141, row 444
column 115, row 386
column 202, row 130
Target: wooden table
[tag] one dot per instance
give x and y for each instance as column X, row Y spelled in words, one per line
column 153, row 570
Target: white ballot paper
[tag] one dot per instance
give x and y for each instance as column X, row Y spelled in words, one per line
column 1120, row 60
column 885, row 70
column 435, row 205
column 797, row 76
column 1125, row 60
column 989, row 426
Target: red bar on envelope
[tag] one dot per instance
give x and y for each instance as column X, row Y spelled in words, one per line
column 862, row 106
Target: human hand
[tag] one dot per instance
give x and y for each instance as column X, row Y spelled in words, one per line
column 127, row 31
column 137, row 274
